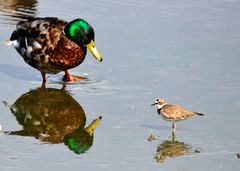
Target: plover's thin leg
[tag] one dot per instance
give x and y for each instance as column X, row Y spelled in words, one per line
column 173, row 135
column 173, row 131
column 174, row 126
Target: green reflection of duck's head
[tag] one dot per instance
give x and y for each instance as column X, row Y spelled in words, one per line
column 48, row 114
column 172, row 149
column 82, row 139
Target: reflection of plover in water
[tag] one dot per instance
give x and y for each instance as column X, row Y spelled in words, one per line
column 173, row 113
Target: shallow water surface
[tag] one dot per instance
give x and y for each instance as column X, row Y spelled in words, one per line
column 185, row 52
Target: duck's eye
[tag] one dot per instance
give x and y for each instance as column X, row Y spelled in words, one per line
column 93, row 46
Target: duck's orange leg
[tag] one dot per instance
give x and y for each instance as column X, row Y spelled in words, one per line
column 44, row 76
column 69, row 77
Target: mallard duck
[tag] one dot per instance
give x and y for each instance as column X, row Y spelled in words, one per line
column 52, row 45
column 173, row 113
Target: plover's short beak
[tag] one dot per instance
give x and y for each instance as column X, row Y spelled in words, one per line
column 153, row 104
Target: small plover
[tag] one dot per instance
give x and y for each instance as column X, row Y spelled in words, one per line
column 173, row 113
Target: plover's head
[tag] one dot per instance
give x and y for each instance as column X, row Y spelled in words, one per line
column 159, row 103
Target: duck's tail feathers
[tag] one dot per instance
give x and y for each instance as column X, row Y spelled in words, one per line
column 199, row 114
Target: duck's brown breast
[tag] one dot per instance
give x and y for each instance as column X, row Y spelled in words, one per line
column 66, row 55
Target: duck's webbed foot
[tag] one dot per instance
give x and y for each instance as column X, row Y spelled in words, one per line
column 68, row 77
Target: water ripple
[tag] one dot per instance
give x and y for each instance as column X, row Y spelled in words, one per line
column 12, row 11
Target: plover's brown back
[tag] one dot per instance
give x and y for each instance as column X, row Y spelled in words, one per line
column 171, row 112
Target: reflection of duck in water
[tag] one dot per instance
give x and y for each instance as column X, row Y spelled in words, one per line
column 172, row 149
column 15, row 9
column 82, row 139
column 52, row 115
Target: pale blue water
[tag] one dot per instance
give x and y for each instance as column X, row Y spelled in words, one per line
column 186, row 52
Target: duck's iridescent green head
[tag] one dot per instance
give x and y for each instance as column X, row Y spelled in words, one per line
column 82, row 33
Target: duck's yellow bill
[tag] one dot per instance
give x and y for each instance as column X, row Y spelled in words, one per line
column 92, row 47
column 91, row 128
